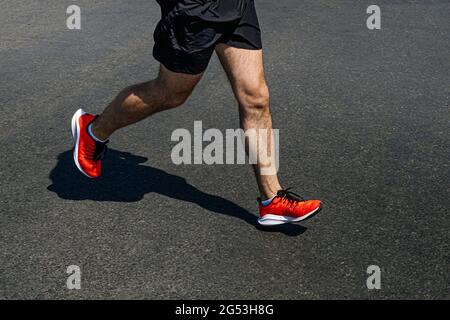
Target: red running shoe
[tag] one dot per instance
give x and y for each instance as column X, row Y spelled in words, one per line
column 87, row 153
column 287, row 207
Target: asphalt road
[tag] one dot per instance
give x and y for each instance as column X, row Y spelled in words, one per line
column 364, row 119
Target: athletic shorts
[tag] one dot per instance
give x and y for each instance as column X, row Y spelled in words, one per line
column 189, row 30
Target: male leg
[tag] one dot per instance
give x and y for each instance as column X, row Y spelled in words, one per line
column 245, row 71
column 184, row 48
column 137, row 102
column 134, row 103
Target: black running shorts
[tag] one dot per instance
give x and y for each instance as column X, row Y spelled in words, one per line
column 186, row 36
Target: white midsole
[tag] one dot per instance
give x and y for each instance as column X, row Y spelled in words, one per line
column 273, row 219
column 76, row 137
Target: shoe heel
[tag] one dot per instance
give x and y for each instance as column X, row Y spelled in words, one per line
column 75, row 117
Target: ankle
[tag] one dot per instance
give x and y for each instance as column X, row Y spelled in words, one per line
column 267, row 195
column 269, row 189
column 266, row 202
column 98, row 132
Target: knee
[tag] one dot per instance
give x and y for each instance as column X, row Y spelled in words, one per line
column 173, row 97
column 255, row 100
column 160, row 95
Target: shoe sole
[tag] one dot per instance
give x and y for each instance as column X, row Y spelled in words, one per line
column 275, row 220
column 76, row 137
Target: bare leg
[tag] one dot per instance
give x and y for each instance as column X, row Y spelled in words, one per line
column 245, row 71
column 134, row 103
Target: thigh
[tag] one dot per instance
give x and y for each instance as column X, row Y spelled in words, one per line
column 244, row 68
column 177, row 83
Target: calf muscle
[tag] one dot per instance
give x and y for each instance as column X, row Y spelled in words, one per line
column 139, row 101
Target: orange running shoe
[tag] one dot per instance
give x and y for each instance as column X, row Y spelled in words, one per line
column 87, row 153
column 287, row 207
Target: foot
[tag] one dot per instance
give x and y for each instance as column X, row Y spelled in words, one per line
column 287, row 207
column 87, row 153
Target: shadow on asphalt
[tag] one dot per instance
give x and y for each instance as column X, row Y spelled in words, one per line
column 127, row 180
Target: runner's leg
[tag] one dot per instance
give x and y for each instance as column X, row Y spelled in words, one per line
column 134, row 103
column 245, row 71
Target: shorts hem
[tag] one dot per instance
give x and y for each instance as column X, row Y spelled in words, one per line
column 241, row 45
column 170, row 64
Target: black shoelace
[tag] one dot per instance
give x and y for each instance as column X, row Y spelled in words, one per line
column 97, row 152
column 291, row 197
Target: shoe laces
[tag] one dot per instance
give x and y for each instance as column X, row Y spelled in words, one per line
column 96, row 151
column 289, row 197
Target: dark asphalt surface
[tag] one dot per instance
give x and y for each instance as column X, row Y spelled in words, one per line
column 364, row 119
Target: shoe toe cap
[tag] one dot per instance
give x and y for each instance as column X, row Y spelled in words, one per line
column 314, row 204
